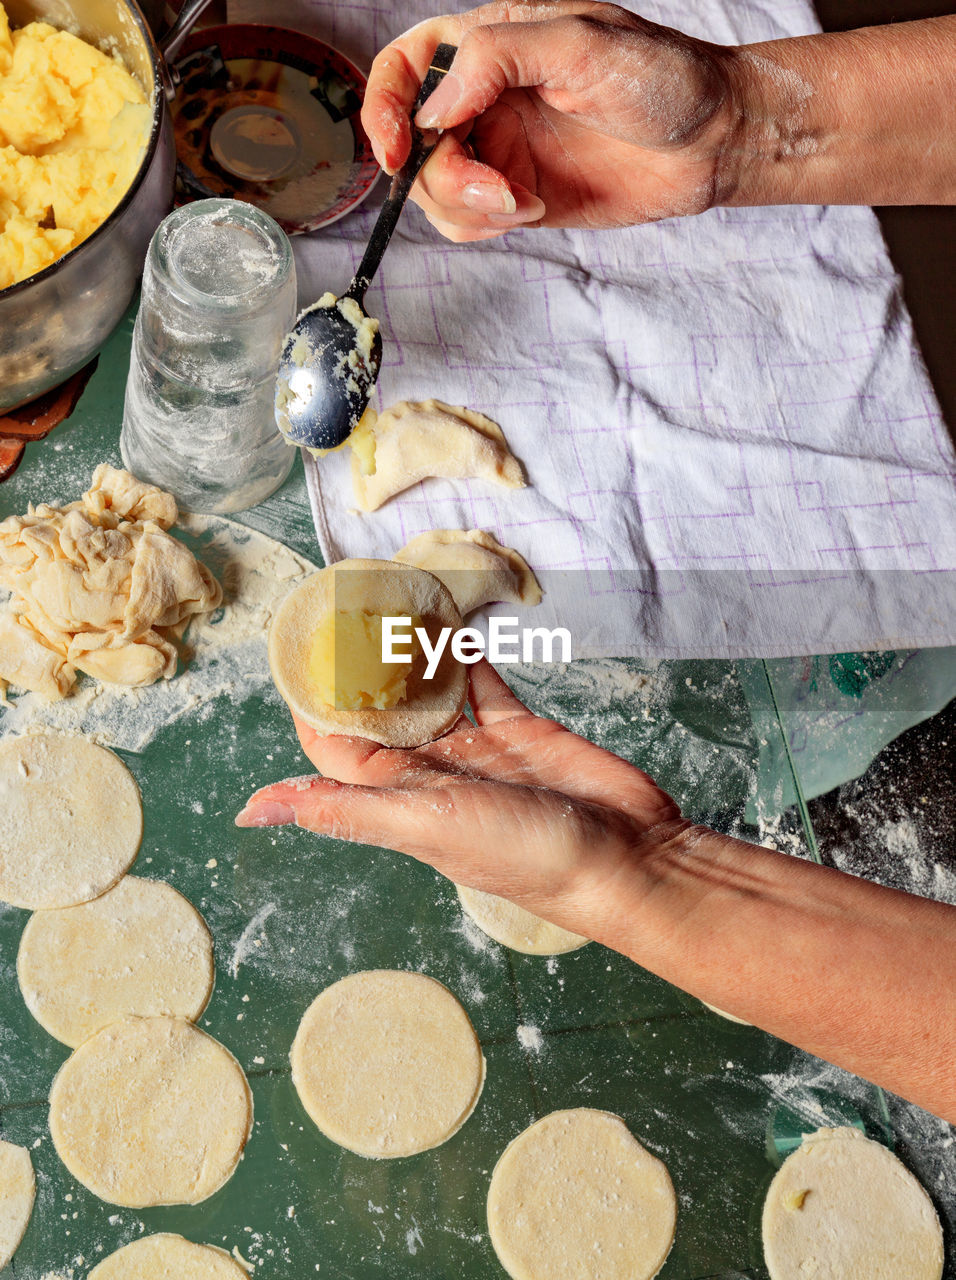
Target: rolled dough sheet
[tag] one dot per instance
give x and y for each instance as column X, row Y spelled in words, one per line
column 71, row 820
column 842, row 1207
column 387, row 1063
column 168, row 1257
column 514, row 927
column 17, row 1193
column 140, row 948
column 151, row 1111
column 576, row 1197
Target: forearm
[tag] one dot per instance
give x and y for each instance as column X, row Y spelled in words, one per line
column 860, row 975
column 857, row 117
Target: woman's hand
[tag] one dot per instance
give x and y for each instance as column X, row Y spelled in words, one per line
column 517, row 806
column 568, row 113
column 557, row 112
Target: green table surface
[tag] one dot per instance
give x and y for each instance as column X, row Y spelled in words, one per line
column 714, row 1100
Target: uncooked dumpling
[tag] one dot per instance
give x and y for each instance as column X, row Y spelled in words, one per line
column 474, row 566
column 141, row 948
column 575, row 1196
column 387, row 1063
column 417, row 439
column 373, row 589
column 516, row 928
column 168, row 1257
column 17, row 1193
column 150, row 1111
column 843, row 1207
column 71, row 820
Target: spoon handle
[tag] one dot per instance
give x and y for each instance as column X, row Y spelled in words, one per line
column 423, row 144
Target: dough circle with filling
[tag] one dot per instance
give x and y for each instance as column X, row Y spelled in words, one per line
column 576, row 1195
column 168, row 1257
column 17, row 1193
column 71, row 820
column 387, row 1063
column 843, row 1207
column 140, row 948
column 430, row 707
column 516, row 928
column 150, row 1111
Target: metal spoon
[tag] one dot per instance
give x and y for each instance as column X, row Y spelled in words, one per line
column 330, row 360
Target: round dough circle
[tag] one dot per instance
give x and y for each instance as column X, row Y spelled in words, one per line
column 516, row 928
column 430, row 707
column 162, row 1257
column 387, row 1063
column 71, row 820
column 141, row 948
column 150, row 1111
column 17, row 1193
column 577, row 1195
column 841, row 1206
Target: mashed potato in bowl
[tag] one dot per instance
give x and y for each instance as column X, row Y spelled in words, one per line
column 73, row 128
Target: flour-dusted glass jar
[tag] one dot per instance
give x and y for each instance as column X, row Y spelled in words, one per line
column 218, row 299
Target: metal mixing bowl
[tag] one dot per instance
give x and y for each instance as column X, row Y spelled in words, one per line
column 54, row 322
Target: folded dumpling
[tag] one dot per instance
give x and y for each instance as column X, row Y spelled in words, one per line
column 474, row 566
column 416, row 439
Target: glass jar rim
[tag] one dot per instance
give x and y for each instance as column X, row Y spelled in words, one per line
column 220, row 212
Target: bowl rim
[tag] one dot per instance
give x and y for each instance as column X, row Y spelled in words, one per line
column 259, row 30
column 159, row 112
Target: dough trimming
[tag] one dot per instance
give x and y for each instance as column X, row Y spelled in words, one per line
column 430, row 707
column 843, row 1207
column 17, row 1193
column 387, row 1063
column 576, row 1196
column 71, row 820
column 141, row 948
column 151, row 1111
column 168, row 1257
column 515, row 927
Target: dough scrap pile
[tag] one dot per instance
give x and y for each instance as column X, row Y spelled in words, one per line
column 98, row 586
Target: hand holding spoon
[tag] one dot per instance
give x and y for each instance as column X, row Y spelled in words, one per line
column 330, row 360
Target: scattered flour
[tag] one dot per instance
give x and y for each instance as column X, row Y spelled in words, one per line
column 531, row 1039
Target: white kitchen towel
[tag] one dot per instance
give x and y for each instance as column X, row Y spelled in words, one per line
column 731, row 442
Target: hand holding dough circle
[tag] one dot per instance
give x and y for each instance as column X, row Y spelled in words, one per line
column 430, row 707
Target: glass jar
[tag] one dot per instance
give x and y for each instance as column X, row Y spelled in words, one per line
column 218, row 299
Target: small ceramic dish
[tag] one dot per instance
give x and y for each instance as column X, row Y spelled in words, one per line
column 271, row 116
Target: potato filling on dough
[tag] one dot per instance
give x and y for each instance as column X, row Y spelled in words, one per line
column 345, row 663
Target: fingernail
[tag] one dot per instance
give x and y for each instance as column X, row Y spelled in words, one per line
column 532, row 210
column 265, row 813
column 488, row 197
column 438, row 105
